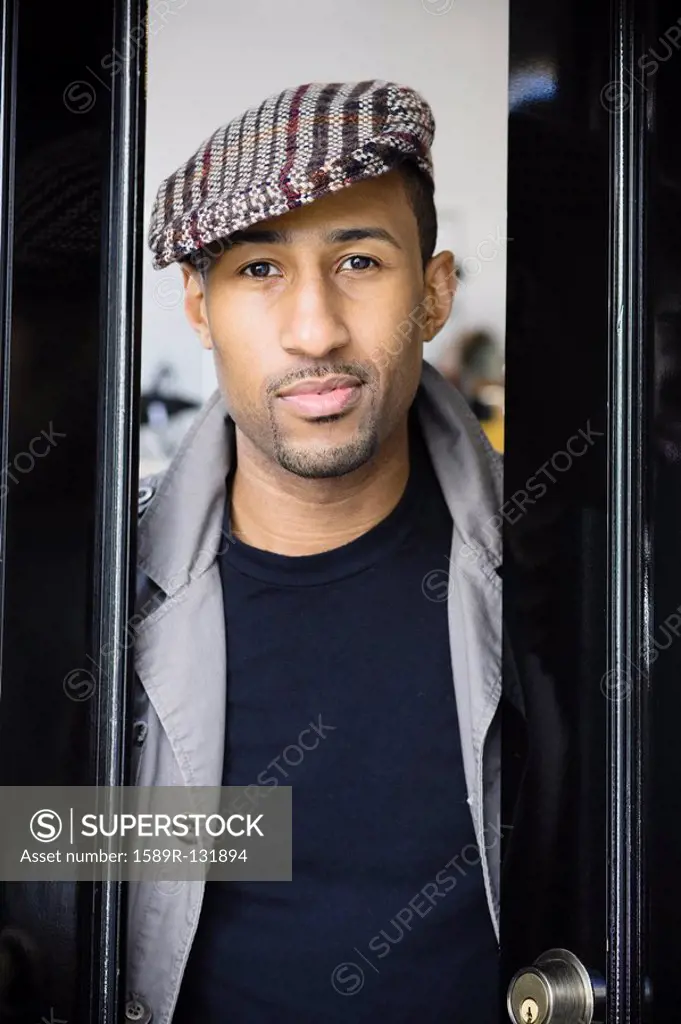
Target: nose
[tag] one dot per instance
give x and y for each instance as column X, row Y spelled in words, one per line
column 313, row 324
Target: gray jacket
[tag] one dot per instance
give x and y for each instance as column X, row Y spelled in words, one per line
column 180, row 655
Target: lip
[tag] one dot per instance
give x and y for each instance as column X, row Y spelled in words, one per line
column 330, row 402
column 319, row 385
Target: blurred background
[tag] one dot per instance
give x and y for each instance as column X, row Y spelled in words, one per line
column 455, row 52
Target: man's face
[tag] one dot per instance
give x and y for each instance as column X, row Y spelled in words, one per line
column 317, row 321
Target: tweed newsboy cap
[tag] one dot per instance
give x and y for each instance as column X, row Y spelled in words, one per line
column 295, row 147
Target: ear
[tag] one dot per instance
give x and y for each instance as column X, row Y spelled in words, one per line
column 195, row 303
column 440, row 285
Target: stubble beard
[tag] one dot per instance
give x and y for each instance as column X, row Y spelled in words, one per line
column 314, row 463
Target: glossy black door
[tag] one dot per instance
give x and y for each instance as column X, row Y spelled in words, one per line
column 555, row 560
column 662, row 82
column 71, row 129
column 591, row 564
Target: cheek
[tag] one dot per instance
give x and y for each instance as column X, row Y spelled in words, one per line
column 237, row 375
column 398, row 342
column 243, row 351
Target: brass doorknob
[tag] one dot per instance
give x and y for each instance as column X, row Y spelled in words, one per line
column 556, row 989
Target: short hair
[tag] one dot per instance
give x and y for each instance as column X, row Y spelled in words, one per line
column 420, row 193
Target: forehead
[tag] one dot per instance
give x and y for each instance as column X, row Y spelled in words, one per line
column 376, row 201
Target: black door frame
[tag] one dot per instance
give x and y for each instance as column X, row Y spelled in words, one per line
column 117, row 472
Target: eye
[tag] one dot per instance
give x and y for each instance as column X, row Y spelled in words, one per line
column 259, row 270
column 360, row 262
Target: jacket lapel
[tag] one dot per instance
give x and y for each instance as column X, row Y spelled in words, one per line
column 470, row 477
column 180, row 654
column 181, row 663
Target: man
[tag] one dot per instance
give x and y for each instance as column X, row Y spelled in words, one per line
column 320, row 562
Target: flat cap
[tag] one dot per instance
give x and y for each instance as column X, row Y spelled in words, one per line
column 295, row 147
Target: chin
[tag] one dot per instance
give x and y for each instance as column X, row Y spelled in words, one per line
column 318, row 462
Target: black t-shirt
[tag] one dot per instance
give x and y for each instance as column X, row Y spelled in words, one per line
column 340, row 685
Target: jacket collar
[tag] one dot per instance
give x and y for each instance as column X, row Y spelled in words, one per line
column 180, row 532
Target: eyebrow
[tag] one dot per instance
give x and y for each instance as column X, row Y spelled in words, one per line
column 339, row 235
column 359, row 234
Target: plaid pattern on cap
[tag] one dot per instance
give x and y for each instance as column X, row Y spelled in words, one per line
column 295, row 147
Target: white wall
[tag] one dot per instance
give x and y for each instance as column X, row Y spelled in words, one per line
column 211, row 59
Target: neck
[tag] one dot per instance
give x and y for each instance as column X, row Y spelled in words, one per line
column 274, row 510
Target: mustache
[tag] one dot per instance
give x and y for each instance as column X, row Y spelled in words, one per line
column 363, row 373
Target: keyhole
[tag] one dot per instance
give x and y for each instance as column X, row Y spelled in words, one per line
column 529, row 1011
